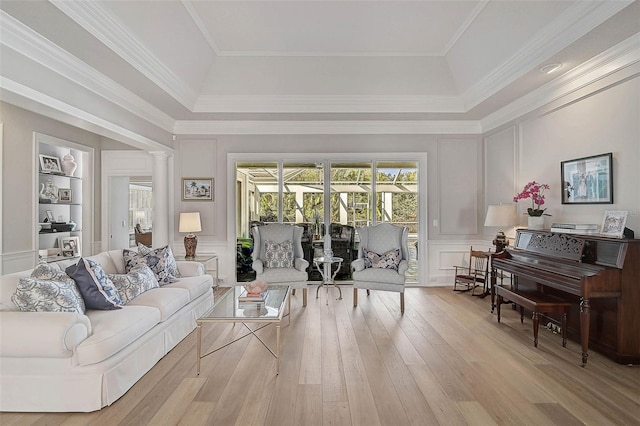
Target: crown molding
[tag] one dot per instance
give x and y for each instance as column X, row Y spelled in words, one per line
column 464, row 27
column 329, row 127
column 327, row 104
column 15, row 35
column 622, row 56
column 572, row 24
column 99, row 22
column 43, row 104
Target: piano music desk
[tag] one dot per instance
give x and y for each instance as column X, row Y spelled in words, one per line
column 537, row 303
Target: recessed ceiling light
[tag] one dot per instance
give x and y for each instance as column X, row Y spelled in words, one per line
column 549, row 68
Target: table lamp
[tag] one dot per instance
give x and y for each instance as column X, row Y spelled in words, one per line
column 501, row 216
column 190, row 223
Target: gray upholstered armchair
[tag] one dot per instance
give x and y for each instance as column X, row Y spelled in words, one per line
column 278, row 257
column 383, row 260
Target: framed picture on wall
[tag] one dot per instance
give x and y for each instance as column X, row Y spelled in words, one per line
column 197, row 189
column 587, row 180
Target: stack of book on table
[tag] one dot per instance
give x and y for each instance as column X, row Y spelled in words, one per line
column 252, row 297
column 575, row 228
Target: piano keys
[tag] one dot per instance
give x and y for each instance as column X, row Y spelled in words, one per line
column 599, row 275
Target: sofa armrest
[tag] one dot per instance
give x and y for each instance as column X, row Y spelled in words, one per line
column 190, row 268
column 42, row 334
column 258, row 266
column 357, row 265
column 300, row 264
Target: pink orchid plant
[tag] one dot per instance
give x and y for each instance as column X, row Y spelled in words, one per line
column 535, row 191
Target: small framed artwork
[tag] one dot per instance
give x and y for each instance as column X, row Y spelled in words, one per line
column 70, row 244
column 197, row 189
column 587, row 180
column 613, row 223
column 49, row 164
column 50, row 217
column 68, row 253
column 64, row 195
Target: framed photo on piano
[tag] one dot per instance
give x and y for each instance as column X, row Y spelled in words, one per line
column 613, row 223
column 587, row 180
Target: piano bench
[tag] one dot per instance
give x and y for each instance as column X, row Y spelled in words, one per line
column 537, row 303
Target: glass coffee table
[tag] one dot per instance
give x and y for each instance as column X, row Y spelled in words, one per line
column 230, row 310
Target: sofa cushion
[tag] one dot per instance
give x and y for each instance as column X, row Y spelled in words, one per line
column 115, row 330
column 105, row 261
column 95, row 286
column 171, row 266
column 278, row 255
column 388, row 260
column 167, row 300
column 58, row 294
column 133, row 284
column 196, row 286
column 161, row 261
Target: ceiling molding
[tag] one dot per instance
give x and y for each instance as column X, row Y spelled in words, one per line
column 43, row 104
column 327, row 104
column 572, row 24
column 105, row 27
column 623, row 56
column 15, row 35
column 329, row 127
column 465, row 25
column 195, row 16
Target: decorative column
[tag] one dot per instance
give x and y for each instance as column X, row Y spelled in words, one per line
column 160, row 181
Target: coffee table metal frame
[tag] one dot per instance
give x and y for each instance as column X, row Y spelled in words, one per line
column 244, row 320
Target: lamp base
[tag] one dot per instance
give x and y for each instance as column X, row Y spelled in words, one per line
column 500, row 242
column 190, row 244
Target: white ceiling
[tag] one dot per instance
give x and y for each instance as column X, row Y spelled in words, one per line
column 168, row 60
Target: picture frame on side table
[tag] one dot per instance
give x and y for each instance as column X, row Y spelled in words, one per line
column 587, row 180
column 613, row 223
column 64, row 195
column 197, row 189
column 70, row 243
column 50, row 164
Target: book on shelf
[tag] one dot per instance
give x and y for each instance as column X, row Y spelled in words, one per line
column 575, row 231
column 583, row 226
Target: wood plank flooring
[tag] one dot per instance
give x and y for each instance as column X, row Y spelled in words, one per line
column 445, row 362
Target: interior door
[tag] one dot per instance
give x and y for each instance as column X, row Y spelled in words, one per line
column 118, row 212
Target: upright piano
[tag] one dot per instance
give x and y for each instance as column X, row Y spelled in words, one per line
column 599, row 275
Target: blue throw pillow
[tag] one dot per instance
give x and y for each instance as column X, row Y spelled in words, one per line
column 95, row 286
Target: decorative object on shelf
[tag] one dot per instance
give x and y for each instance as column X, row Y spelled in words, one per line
column 69, row 164
column 48, row 191
column 613, row 223
column 49, row 164
column 72, row 224
column 70, row 243
column 190, row 223
column 535, row 191
column 501, row 216
column 588, row 180
column 50, row 218
column 197, row 189
column 64, row 195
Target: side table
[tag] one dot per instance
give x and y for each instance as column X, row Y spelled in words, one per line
column 208, row 261
column 323, row 264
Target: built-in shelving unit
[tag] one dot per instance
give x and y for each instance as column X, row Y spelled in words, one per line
column 63, row 213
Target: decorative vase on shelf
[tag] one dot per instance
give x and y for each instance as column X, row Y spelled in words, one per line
column 72, row 225
column 69, row 165
column 535, row 222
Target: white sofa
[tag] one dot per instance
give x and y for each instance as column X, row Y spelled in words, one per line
column 61, row 361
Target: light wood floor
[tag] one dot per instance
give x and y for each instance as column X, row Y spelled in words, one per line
column 446, row 361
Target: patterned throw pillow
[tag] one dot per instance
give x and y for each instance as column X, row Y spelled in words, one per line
column 57, row 293
column 95, row 286
column 278, row 255
column 388, row 260
column 161, row 262
column 139, row 279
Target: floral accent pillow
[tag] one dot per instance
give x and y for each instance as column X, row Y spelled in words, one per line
column 139, row 279
column 388, row 260
column 95, row 286
column 161, row 261
column 278, row 255
column 57, row 293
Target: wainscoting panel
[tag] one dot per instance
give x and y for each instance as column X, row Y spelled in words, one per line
column 444, row 255
column 19, row 261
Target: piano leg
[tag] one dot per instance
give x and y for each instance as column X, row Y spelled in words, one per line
column 536, row 326
column 584, row 328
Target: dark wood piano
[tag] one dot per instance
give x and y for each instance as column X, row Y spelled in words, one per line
column 599, row 275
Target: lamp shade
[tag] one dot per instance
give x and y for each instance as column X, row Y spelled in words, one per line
column 501, row 215
column 190, row 222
